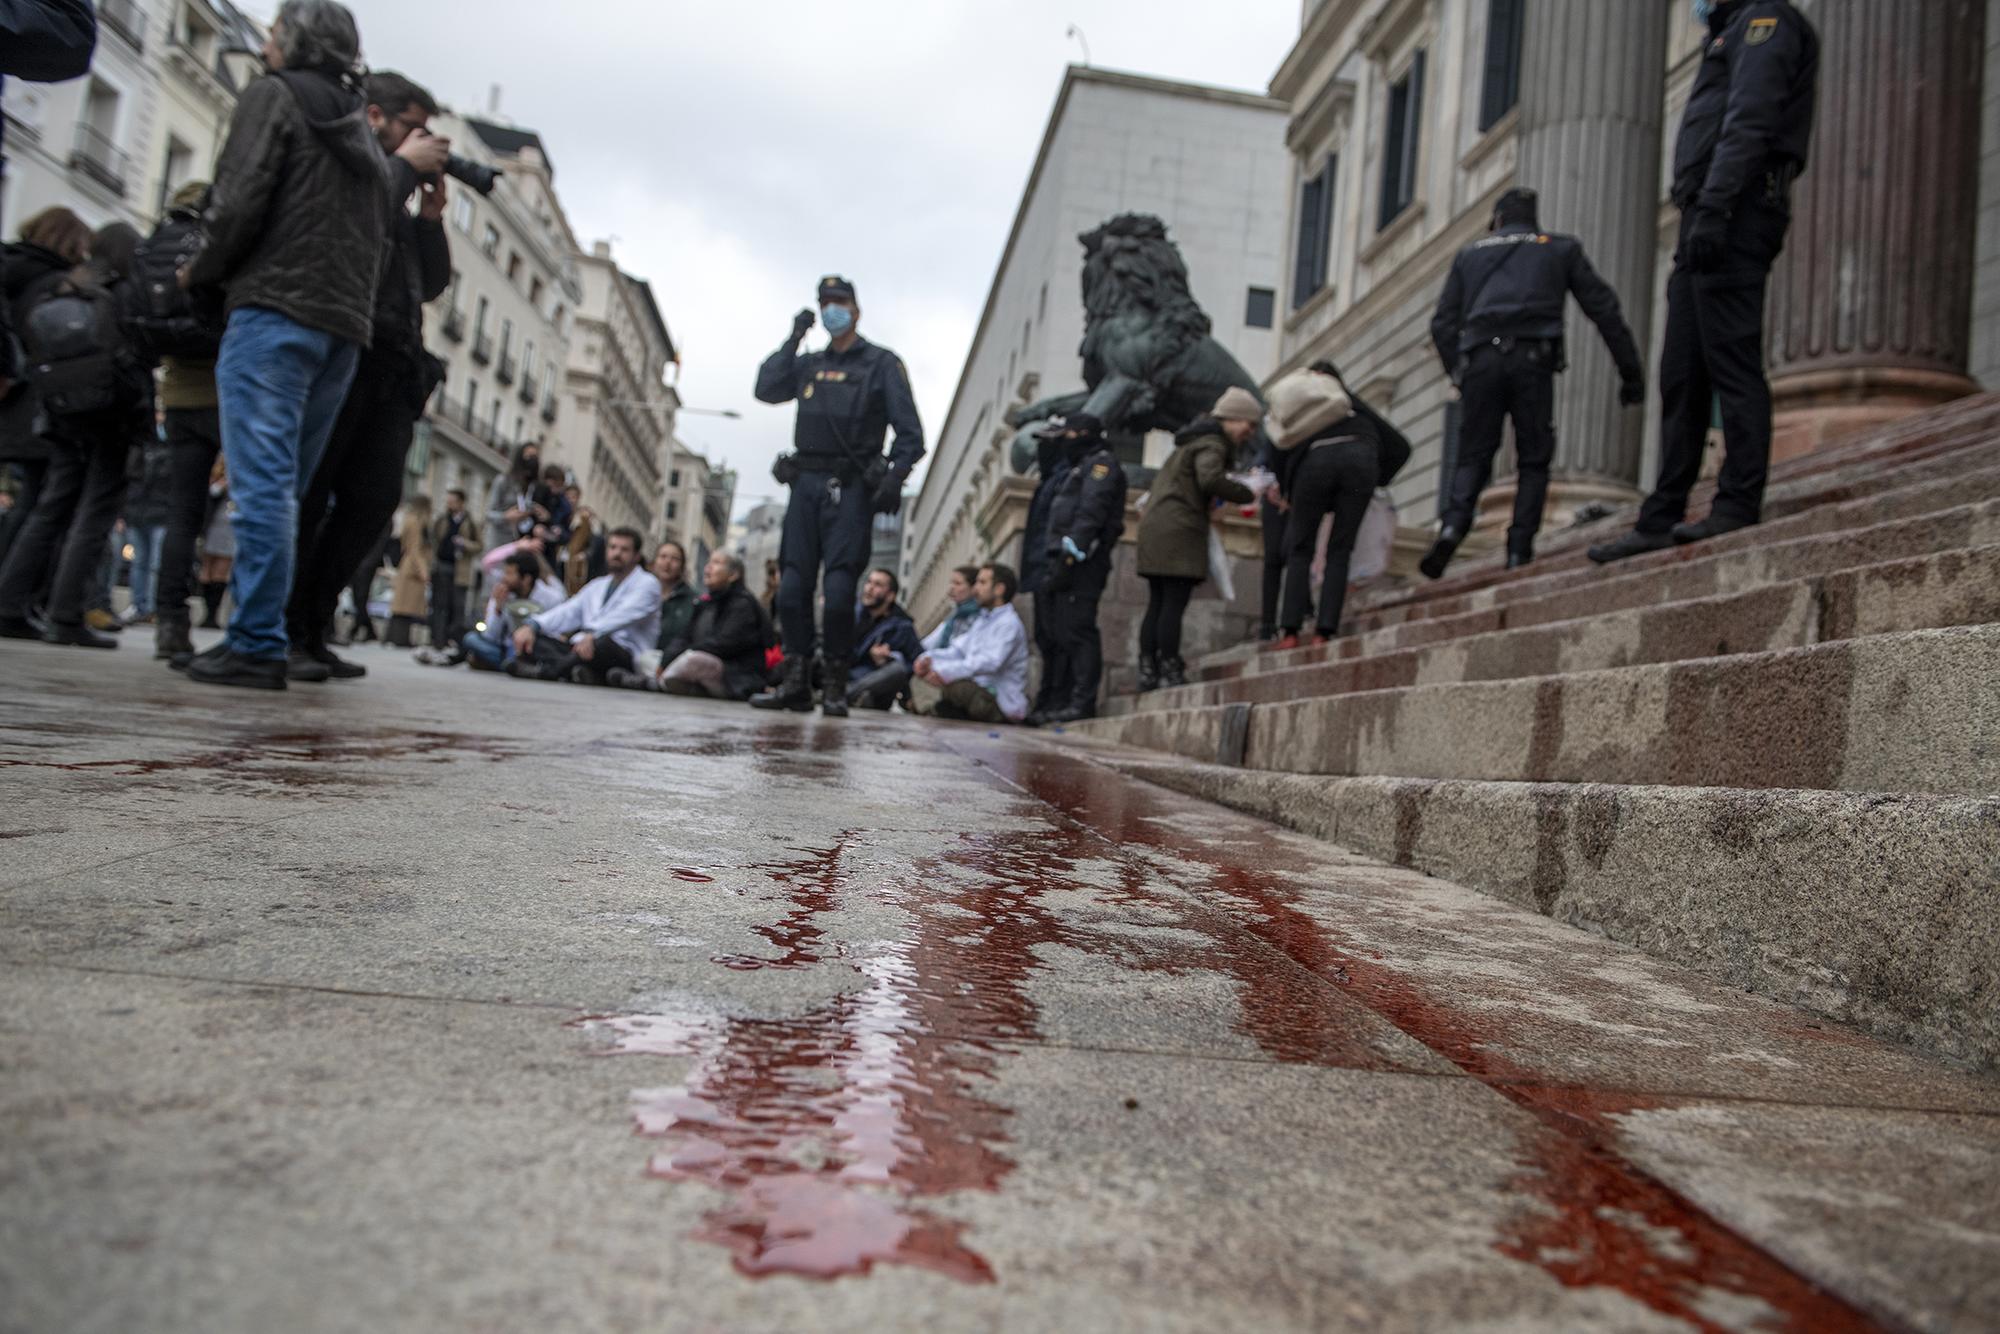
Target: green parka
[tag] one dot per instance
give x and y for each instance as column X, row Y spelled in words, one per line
column 1173, row 533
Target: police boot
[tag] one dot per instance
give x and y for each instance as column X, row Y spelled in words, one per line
column 1518, row 556
column 832, row 701
column 170, row 637
column 1440, row 554
column 1173, row 673
column 792, row 692
column 1149, row 675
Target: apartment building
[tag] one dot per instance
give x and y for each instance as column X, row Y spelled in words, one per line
column 504, row 329
column 617, row 428
column 699, row 498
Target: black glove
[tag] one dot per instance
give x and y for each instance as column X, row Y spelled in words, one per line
column 802, row 324
column 1703, row 237
column 889, row 494
column 1633, row 392
column 785, row 469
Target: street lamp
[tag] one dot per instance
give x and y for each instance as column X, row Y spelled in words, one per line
column 730, row 413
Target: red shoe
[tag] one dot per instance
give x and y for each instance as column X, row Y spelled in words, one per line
column 1283, row 644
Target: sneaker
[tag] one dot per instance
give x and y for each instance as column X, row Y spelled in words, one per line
column 1634, row 543
column 302, row 666
column 77, row 636
column 1715, row 525
column 222, row 666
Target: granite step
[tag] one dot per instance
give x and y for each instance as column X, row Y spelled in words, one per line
column 1947, row 443
column 1692, row 576
column 1928, row 592
column 1872, row 910
column 1915, row 712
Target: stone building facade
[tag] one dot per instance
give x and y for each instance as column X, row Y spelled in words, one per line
column 617, row 430
column 1410, row 117
column 699, row 499
column 1209, row 162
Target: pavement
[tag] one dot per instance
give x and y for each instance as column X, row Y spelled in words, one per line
column 443, row 1002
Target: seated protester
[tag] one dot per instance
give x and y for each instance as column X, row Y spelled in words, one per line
column 724, row 653
column 886, row 646
column 522, row 577
column 607, row 625
column 964, row 609
column 677, row 599
column 983, row 675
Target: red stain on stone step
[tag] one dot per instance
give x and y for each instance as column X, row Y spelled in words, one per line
column 692, row 876
column 814, row 887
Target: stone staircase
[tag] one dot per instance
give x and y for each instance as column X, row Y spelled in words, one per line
column 1774, row 756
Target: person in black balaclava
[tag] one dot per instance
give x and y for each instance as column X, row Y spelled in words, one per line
column 1742, row 144
column 1086, row 519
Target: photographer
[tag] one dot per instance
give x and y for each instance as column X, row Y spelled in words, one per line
column 849, row 395
column 360, row 480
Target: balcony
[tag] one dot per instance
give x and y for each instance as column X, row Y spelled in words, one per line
column 549, row 406
column 508, row 365
column 482, row 347
column 453, row 325
column 124, row 18
column 530, row 389
column 97, row 157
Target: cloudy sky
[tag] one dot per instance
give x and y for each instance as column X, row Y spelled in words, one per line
column 734, row 153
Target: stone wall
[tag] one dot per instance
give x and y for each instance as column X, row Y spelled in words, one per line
column 1986, row 283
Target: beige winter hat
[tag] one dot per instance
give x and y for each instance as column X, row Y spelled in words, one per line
column 1237, row 404
column 1303, row 404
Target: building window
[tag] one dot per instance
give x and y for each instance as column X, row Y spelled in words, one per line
column 1260, row 311
column 1502, row 89
column 495, row 420
column 674, row 479
column 490, row 243
column 1309, row 272
column 1042, row 309
column 472, row 406
column 506, row 337
column 535, row 293
column 1402, row 142
column 461, row 213
column 673, row 510
column 479, row 320
column 513, row 267
column 175, row 172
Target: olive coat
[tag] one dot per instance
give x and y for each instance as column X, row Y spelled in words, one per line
column 1173, row 532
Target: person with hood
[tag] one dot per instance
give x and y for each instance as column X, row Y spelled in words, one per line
column 105, row 403
column 1173, row 532
column 298, row 224
column 1341, row 465
column 887, row 648
column 51, row 244
column 1086, row 519
column 360, row 478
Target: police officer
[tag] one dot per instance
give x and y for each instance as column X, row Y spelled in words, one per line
column 1499, row 329
column 1742, row 143
column 1052, row 466
column 849, row 396
column 1086, row 519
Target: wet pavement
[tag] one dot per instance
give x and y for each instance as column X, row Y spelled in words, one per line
column 448, row 1002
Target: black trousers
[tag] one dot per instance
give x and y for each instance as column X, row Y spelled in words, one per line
column 447, row 603
column 1518, row 382
column 194, row 438
column 32, row 473
column 1275, row 522
column 829, row 528
column 1338, row 479
column 1079, row 644
column 353, row 494
column 81, row 496
column 1714, row 349
column 1166, row 609
column 606, row 657
column 1052, row 687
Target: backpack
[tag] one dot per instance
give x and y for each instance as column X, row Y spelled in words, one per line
column 166, row 320
column 78, row 358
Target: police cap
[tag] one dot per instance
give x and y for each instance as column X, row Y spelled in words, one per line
column 833, row 287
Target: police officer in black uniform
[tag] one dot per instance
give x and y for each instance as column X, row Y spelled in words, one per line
column 1742, row 143
column 1499, row 330
column 1086, row 519
column 849, row 396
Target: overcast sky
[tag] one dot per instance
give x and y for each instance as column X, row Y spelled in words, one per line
column 736, row 152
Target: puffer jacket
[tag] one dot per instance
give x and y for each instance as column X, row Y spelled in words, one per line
column 1173, row 533
column 299, row 218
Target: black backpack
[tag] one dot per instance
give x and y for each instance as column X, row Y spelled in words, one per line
column 166, row 320
column 78, row 358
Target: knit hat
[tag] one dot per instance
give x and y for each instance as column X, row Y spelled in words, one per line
column 1303, row 404
column 1237, row 404
column 192, row 195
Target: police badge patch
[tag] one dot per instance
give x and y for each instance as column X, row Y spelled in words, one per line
column 1761, row 31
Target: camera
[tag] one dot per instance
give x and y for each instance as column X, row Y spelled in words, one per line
column 480, row 178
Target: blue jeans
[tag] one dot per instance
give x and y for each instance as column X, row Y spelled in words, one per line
column 491, row 649
column 146, row 544
column 281, row 386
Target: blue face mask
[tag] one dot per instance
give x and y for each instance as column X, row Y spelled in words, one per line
column 837, row 319
column 1703, row 9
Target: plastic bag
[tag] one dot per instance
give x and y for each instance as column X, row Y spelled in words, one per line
column 1373, row 545
column 1220, row 568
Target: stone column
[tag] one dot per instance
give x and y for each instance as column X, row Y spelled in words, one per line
column 1871, row 303
column 1593, row 85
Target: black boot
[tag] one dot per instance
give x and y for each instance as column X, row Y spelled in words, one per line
column 1149, row 675
column 212, row 595
column 171, row 636
column 1517, row 556
column 1173, row 673
column 793, row 691
column 1440, row 554
column 833, row 702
